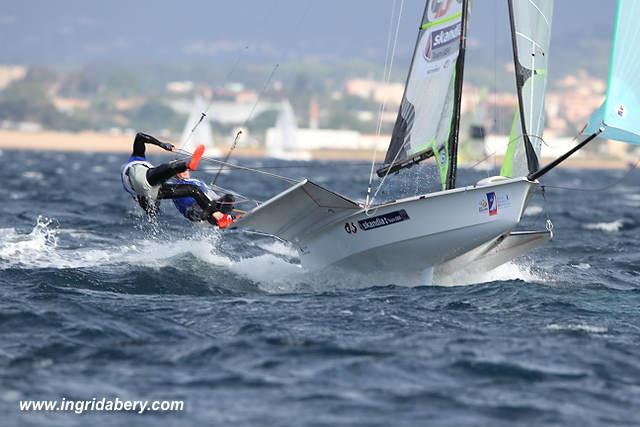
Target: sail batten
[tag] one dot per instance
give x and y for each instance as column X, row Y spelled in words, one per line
column 427, row 122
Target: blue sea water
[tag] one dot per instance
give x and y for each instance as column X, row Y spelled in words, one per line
column 96, row 301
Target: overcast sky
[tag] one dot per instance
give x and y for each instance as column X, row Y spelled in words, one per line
column 80, row 31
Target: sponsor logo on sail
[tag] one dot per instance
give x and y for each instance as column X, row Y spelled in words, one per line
column 621, row 111
column 442, row 42
column 383, row 220
column 438, row 9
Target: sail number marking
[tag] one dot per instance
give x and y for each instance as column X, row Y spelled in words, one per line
column 350, row 228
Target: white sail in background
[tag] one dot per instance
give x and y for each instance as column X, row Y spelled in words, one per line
column 282, row 141
column 531, row 22
column 203, row 134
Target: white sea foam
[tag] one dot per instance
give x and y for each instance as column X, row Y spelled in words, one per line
column 578, row 327
column 270, row 273
column 510, row 271
column 36, row 247
column 33, row 175
column 609, row 227
column 582, row 266
column 40, row 249
column 279, row 248
column 533, row 210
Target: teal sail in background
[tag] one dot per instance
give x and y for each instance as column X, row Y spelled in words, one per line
column 619, row 116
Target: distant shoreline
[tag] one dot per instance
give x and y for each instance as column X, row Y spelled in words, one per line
column 93, row 142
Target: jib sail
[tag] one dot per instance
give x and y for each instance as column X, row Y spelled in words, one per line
column 531, row 22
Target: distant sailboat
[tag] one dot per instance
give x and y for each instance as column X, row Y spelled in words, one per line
column 282, row 141
column 202, row 135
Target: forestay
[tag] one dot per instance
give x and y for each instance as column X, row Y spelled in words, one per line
column 531, row 22
column 619, row 115
column 424, row 124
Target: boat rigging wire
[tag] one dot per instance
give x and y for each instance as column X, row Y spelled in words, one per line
column 244, row 125
column 238, row 167
column 609, row 186
column 205, row 113
column 388, row 67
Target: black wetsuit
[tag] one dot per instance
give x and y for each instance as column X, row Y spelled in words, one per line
column 158, row 175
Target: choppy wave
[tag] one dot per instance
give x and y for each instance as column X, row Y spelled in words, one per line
column 101, row 302
column 533, row 210
column 609, row 227
column 577, row 327
column 40, row 248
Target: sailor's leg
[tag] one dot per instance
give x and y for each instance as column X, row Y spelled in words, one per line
column 165, row 171
column 178, row 191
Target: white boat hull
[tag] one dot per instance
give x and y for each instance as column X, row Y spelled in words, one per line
column 419, row 233
column 409, row 235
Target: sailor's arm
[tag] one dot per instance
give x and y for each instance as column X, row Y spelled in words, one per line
column 142, row 139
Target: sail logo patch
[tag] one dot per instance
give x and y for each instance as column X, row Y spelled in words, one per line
column 621, row 111
column 383, row 220
column 442, row 42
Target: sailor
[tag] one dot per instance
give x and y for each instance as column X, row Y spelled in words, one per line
column 191, row 208
column 149, row 184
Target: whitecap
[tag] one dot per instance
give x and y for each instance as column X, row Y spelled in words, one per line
column 533, row 210
column 506, row 272
column 33, row 248
column 581, row 266
column 33, row 175
column 280, row 248
column 578, row 327
column 40, row 249
column 609, row 227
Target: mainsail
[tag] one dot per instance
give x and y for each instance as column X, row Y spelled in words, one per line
column 428, row 120
column 284, row 137
column 619, row 115
column 530, row 33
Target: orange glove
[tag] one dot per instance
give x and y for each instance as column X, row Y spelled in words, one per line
column 225, row 221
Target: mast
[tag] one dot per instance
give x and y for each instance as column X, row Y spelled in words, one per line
column 522, row 75
column 454, row 137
